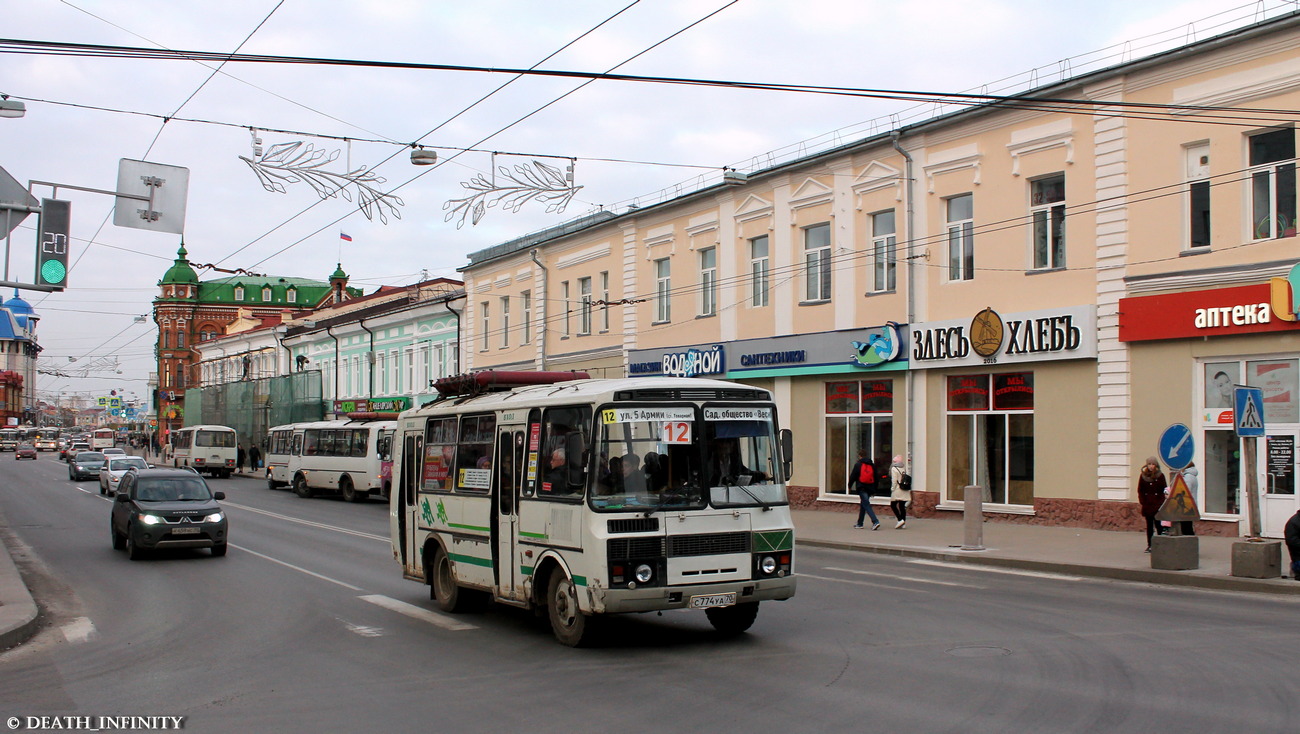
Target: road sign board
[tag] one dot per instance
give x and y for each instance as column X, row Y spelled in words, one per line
column 1249, row 411
column 12, row 192
column 1177, row 446
column 1180, row 506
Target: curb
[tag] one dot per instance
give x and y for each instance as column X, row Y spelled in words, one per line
column 1168, row 578
column 19, row 617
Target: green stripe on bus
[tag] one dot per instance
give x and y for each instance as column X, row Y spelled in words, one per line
column 526, row 570
column 539, row 536
column 773, row 540
column 458, row 526
column 471, row 560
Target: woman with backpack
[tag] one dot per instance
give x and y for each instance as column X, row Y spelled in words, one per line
column 900, row 492
column 862, row 479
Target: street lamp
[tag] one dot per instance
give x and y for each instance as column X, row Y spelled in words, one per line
column 11, row 107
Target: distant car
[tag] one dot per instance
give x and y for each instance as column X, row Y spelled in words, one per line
column 114, row 467
column 114, row 451
column 73, row 449
column 84, row 465
column 166, row 508
column 25, row 451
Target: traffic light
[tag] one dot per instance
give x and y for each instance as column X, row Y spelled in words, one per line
column 52, row 250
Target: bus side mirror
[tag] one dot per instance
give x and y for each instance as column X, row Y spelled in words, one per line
column 787, row 452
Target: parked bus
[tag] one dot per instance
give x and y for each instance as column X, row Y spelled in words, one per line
column 47, row 439
column 207, row 449
column 351, row 457
column 103, row 438
column 548, row 490
column 8, row 439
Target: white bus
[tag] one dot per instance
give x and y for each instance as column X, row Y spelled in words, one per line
column 47, row 439
column 207, row 449
column 103, row 438
column 8, row 439
column 351, row 457
column 586, row 497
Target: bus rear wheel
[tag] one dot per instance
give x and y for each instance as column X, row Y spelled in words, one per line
column 733, row 620
column 570, row 625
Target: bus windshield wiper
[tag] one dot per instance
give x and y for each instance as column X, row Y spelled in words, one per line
column 766, row 507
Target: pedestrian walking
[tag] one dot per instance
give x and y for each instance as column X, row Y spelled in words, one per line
column 899, row 497
column 1151, row 494
column 1292, row 535
column 240, row 455
column 862, row 479
column 254, row 457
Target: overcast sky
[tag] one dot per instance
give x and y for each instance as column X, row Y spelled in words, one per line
column 232, row 222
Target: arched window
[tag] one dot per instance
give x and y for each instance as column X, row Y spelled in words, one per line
column 166, row 340
column 266, row 294
column 239, row 293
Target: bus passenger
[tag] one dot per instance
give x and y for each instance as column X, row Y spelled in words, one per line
column 557, row 474
column 633, row 478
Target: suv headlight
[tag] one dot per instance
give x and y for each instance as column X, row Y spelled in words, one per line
column 148, row 519
column 215, row 517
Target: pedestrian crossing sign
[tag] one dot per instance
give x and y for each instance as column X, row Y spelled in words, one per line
column 1248, row 415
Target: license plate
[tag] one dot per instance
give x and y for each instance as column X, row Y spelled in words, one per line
column 195, row 531
column 709, row 601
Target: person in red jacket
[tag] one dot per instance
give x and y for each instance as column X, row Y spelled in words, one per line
column 1151, row 494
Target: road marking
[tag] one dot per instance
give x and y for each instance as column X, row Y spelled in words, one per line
column 420, row 613
column 363, row 630
column 991, row 569
column 79, row 630
column 298, row 568
column 861, row 583
column 905, row 578
column 309, row 523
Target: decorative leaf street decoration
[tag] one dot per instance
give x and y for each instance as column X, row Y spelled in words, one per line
column 528, row 182
column 298, row 162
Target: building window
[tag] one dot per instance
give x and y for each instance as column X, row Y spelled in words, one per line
column 568, row 309
column 1197, row 172
column 409, row 357
column 584, row 313
column 663, row 291
column 439, row 367
column 166, row 340
column 859, row 417
column 759, row 270
column 709, row 281
column 1047, row 209
column 266, row 295
column 180, row 339
column 484, row 325
column 291, row 295
column 817, row 262
column 1272, row 184
column 526, row 323
column 961, row 237
column 604, row 301
column 239, row 293
column 991, row 437
column 394, row 365
column 381, row 386
column 884, row 255
column 505, row 321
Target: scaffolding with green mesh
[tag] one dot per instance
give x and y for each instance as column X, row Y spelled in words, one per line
column 252, row 407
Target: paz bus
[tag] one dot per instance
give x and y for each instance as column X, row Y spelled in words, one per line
column 47, row 439
column 352, row 457
column 8, row 439
column 103, row 438
column 580, row 497
column 206, row 449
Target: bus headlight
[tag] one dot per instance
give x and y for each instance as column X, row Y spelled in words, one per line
column 644, row 573
column 767, row 565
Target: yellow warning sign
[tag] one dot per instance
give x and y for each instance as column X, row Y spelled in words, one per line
column 1180, row 505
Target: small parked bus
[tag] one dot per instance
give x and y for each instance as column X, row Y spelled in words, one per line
column 352, row 457
column 103, row 438
column 581, row 497
column 208, row 450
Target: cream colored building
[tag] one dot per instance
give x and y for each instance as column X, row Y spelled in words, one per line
column 953, row 291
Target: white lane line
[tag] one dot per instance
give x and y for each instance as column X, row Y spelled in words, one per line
column 896, row 577
column 308, row 523
column 300, row 569
column 363, row 630
column 993, row 569
column 79, row 630
column 420, row 613
column 803, row 575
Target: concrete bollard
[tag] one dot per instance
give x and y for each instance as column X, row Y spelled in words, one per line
column 973, row 516
column 1257, row 559
column 1175, row 552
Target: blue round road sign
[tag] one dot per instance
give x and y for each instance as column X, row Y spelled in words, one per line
column 1177, row 446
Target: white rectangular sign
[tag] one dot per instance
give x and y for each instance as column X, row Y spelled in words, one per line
column 656, row 415
column 737, row 414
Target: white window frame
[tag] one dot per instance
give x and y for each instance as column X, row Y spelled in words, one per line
column 884, row 251
column 239, row 293
column 1270, row 172
column 604, row 297
column 584, row 311
column 817, row 263
column 760, row 271
column 505, row 321
column 568, row 310
column 961, row 239
column 709, row 281
column 266, row 294
column 663, row 290
column 381, row 373
column 408, row 356
column 484, row 325
column 291, row 295
column 526, row 324
column 1197, row 175
column 1047, row 223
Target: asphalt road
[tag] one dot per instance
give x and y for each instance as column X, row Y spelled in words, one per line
column 307, row 625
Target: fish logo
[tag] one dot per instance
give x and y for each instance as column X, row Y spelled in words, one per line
column 1284, row 295
column 878, row 349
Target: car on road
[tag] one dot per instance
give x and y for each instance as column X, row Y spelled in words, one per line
column 73, row 449
column 113, row 451
column 25, row 451
column 166, row 508
column 84, row 465
column 116, row 466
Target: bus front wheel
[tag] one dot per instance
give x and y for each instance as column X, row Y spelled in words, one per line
column 570, row 625
column 733, row 620
column 350, row 493
column 301, row 488
column 442, row 584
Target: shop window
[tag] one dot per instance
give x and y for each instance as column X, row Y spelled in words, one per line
column 968, row 392
column 842, row 397
column 991, row 442
column 859, row 417
column 1221, row 476
column 1277, row 378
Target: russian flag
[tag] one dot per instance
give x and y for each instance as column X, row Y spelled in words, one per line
column 345, row 236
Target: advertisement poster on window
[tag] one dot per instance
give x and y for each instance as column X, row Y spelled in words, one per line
column 1219, row 379
column 1277, row 378
column 841, row 397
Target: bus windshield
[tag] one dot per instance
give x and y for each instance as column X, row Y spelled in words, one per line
column 740, row 453
column 648, row 459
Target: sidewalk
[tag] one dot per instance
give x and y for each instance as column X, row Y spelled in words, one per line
column 1069, row 551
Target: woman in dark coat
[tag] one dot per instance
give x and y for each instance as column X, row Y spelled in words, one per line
column 1151, row 494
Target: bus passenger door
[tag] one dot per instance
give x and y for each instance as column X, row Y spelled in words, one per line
column 505, row 551
column 407, row 522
